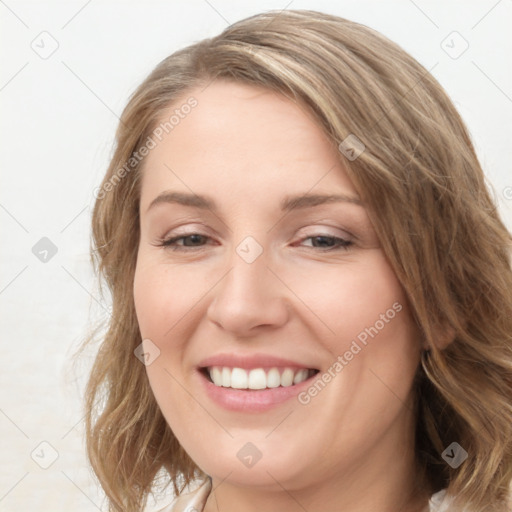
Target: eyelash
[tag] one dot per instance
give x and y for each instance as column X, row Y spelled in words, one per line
column 170, row 243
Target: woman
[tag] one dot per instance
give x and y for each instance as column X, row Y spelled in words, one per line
column 312, row 292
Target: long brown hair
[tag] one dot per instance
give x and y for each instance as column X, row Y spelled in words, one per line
column 427, row 198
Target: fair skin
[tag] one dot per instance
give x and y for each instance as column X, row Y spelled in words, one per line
column 305, row 298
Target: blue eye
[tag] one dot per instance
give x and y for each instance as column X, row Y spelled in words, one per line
column 328, row 242
column 188, row 242
column 195, row 240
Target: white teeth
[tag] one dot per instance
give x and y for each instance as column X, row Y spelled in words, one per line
column 273, row 378
column 257, row 378
column 216, row 376
column 300, row 376
column 287, row 377
column 239, row 378
column 226, row 377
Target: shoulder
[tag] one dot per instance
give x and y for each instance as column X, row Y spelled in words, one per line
column 193, row 501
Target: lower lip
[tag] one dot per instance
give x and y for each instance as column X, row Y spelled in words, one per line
column 248, row 400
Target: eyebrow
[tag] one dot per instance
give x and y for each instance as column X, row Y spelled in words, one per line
column 288, row 204
column 308, row 200
column 184, row 199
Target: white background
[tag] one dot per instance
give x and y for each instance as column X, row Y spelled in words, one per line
column 58, row 120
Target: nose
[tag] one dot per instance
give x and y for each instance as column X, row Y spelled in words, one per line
column 249, row 298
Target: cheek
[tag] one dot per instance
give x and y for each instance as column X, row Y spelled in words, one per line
column 366, row 320
column 164, row 300
column 350, row 296
column 164, row 297
column 368, row 387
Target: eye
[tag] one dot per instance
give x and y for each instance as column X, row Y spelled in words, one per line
column 328, row 242
column 189, row 241
column 198, row 240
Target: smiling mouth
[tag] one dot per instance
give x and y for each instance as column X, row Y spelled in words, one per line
column 256, row 378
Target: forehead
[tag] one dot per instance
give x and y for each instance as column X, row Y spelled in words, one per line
column 241, row 140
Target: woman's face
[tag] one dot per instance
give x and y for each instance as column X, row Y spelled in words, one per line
column 264, row 282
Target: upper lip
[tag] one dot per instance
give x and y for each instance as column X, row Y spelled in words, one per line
column 251, row 361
